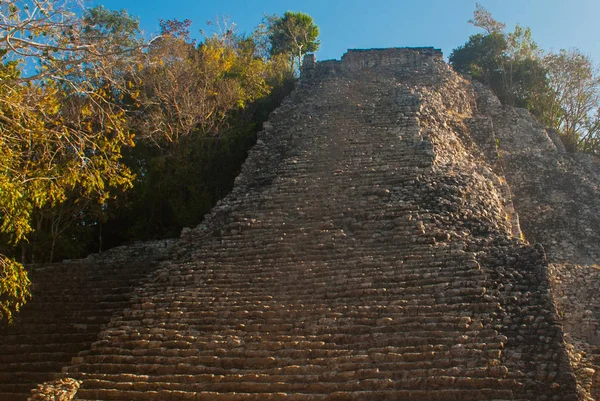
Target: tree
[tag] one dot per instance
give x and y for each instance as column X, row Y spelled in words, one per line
column 62, row 132
column 483, row 19
column 573, row 109
column 53, row 40
column 294, row 35
column 510, row 63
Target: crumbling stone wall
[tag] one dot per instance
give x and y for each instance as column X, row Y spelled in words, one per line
column 557, row 198
column 398, row 59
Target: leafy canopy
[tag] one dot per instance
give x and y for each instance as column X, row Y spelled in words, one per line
column 294, row 35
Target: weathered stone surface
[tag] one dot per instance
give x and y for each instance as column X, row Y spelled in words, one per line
column 370, row 250
column 557, row 198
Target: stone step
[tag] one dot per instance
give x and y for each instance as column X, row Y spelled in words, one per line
column 55, row 338
column 408, row 308
column 378, row 317
column 415, row 365
column 101, row 278
column 20, row 378
column 247, row 359
column 296, row 384
column 97, row 306
column 382, row 395
column 166, row 395
column 306, row 349
column 407, row 272
column 32, row 366
column 19, row 395
column 55, row 328
column 396, row 270
column 9, row 350
column 24, row 358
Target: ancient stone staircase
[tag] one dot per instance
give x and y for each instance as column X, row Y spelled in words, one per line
column 365, row 254
column 71, row 305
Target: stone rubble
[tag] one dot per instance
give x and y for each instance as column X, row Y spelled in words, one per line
column 58, row 390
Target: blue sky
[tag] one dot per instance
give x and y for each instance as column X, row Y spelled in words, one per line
column 347, row 24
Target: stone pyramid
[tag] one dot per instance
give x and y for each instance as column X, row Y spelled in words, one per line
column 370, row 250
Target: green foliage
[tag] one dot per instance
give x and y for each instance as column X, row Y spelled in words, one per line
column 481, row 57
column 294, row 35
column 521, row 45
column 176, row 28
column 504, row 64
column 14, row 287
column 114, row 30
